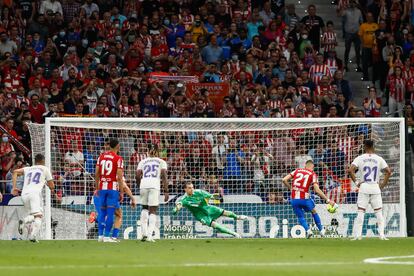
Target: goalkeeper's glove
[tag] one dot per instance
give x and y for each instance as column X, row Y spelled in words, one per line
column 216, row 196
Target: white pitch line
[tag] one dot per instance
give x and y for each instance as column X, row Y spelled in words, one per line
column 184, row 265
column 387, row 260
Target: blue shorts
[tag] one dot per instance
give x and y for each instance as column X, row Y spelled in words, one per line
column 97, row 203
column 108, row 198
column 300, row 205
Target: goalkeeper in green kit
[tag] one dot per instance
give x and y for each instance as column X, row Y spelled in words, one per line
column 196, row 201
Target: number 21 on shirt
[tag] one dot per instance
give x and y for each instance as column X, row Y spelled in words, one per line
column 301, row 180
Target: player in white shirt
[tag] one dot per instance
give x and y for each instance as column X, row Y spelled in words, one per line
column 150, row 172
column 35, row 178
column 370, row 168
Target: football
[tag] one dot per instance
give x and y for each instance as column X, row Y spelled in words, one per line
column 332, row 209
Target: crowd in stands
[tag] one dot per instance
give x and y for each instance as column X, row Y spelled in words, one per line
column 131, row 58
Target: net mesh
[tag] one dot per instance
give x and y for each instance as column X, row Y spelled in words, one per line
column 241, row 162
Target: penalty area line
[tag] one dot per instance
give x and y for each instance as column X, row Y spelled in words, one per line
column 183, row 265
column 389, row 260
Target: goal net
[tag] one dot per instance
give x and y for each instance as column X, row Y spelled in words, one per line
column 243, row 161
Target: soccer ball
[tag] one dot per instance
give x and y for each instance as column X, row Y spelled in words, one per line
column 332, row 209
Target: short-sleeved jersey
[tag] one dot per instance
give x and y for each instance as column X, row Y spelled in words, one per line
column 197, row 201
column 108, row 165
column 370, row 167
column 151, row 172
column 302, row 180
column 35, row 178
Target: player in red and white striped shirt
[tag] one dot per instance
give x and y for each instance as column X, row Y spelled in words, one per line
column 109, row 177
column 319, row 69
column 302, row 179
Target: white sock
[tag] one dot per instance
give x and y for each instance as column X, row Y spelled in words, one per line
column 36, row 228
column 28, row 219
column 144, row 222
column 151, row 224
column 380, row 222
column 358, row 224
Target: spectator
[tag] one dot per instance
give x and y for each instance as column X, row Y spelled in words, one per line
column 275, row 197
column 351, row 20
column 267, row 15
column 213, row 52
column 365, row 33
column 200, row 111
column 211, row 74
column 219, row 155
column 74, row 160
column 70, row 104
column 396, row 86
column 372, row 104
column 329, row 41
column 5, row 146
column 6, row 45
column 409, row 119
column 260, row 162
column 50, row 5
column 334, row 158
column 313, row 24
column 302, row 156
column 291, row 18
column 7, row 162
column 343, row 86
column 195, row 166
column 36, row 109
column 71, row 8
column 20, row 179
column 71, row 82
column 89, row 7
column 9, row 126
column 234, row 161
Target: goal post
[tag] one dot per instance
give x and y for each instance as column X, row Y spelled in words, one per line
column 240, row 160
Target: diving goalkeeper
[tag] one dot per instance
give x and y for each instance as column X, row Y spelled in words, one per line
column 196, row 201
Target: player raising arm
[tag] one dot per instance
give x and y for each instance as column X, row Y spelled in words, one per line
column 300, row 197
column 196, row 201
column 35, row 178
column 150, row 172
column 108, row 178
column 370, row 167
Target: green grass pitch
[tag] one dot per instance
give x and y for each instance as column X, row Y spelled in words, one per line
column 228, row 257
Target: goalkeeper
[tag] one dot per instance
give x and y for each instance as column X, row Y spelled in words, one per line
column 196, row 201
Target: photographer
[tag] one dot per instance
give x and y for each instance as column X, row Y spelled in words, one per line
column 260, row 162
